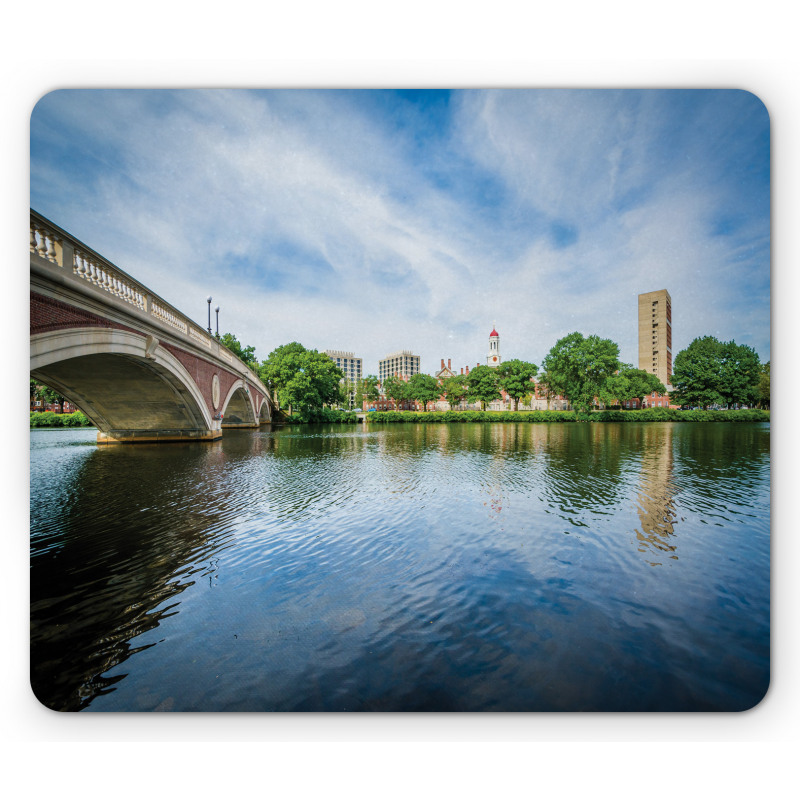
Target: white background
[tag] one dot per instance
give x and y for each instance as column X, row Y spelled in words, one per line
column 51, row 45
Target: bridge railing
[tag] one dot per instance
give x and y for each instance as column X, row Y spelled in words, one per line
column 55, row 245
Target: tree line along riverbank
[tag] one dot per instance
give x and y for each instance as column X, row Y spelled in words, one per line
column 49, row 419
column 608, row 415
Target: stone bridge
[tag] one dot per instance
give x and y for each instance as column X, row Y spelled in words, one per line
column 137, row 367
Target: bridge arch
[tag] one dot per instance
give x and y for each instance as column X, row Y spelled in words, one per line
column 264, row 411
column 237, row 408
column 131, row 388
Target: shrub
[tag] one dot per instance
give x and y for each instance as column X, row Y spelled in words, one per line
column 607, row 415
column 49, row 419
column 322, row 415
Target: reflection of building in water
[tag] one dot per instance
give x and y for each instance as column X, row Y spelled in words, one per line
column 655, row 501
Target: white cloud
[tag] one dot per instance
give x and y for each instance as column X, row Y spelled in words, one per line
column 242, row 195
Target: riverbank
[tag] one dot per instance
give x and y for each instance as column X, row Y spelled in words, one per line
column 634, row 415
column 49, row 419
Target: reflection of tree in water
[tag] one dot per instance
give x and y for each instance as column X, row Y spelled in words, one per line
column 708, row 468
column 112, row 565
column 583, row 468
column 725, row 458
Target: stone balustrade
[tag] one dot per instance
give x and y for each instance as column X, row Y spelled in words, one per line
column 63, row 251
column 108, row 279
column 56, row 247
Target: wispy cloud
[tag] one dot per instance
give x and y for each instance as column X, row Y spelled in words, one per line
column 373, row 221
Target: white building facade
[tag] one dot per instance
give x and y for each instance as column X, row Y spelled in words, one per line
column 493, row 359
column 403, row 363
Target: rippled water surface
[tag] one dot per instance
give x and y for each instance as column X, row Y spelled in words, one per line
column 423, row 567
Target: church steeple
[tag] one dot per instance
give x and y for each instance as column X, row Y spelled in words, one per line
column 493, row 359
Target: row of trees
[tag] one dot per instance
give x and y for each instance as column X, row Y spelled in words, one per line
column 585, row 370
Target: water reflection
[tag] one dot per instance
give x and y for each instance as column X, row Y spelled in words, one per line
column 421, row 567
column 113, row 562
column 656, row 498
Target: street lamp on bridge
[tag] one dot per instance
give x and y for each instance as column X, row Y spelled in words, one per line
column 208, row 300
column 217, row 310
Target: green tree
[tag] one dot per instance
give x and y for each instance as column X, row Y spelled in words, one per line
column 454, row 388
column 544, row 386
column 709, row 371
column 424, row 388
column 370, row 387
column 347, row 392
column 739, row 374
column 763, row 386
column 245, row 354
column 695, row 373
column 515, row 378
column 302, row 379
column 483, row 384
column 577, row 367
column 47, row 395
column 396, row 388
column 630, row 384
column 358, row 398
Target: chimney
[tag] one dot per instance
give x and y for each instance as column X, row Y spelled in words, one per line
column 442, row 363
column 467, row 368
column 448, row 365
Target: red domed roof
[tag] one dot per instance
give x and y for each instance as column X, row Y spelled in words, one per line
column 493, row 333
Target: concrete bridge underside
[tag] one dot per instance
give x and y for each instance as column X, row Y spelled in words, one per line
column 128, row 398
column 134, row 390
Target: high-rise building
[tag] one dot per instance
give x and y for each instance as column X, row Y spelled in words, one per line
column 403, row 363
column 655, row 334
column 347, row 363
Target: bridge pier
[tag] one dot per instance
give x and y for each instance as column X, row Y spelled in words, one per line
column 157, row 436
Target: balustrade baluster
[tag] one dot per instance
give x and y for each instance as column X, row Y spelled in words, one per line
column 51, row 249
column 33, row 239
column 41, row 248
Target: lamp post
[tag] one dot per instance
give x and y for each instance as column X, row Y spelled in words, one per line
column 208, row 300
column 217, row 310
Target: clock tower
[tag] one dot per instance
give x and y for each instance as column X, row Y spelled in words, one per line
column 493, row 359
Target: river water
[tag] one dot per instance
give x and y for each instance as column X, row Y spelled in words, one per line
column 497, row 567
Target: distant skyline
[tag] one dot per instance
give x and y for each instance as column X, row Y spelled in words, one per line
column 376, row 221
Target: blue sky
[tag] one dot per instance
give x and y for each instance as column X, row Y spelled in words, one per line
column 375, row 221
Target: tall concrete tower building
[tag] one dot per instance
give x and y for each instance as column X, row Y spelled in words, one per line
column 655, row 334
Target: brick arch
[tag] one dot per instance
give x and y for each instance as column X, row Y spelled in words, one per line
column 237, row 407
column 130, row 387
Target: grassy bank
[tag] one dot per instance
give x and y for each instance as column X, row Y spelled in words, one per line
column 637, row 415
column 49, row 419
